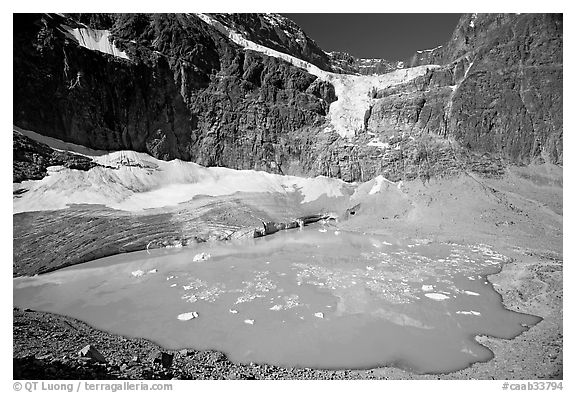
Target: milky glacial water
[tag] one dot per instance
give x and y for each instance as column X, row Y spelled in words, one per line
column 316, row 297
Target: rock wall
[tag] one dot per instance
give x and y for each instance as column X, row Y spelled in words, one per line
column 506, row 75
column 186, row 91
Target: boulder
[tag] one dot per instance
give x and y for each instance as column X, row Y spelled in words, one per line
column 163, row 358
column 90, row 352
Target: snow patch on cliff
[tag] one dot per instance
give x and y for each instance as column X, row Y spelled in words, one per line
column 429, row 50
column 98, row 40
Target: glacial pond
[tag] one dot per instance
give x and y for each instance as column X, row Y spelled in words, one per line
column 317, row 297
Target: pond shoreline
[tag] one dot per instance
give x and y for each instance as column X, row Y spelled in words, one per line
column 445, row 210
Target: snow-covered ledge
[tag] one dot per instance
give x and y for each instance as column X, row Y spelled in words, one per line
column 98, row 40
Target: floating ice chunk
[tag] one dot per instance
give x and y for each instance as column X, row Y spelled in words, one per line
column 471, row 293
column 436, row 296
column 173, row 285
column 376, row 244
column 322, row 230
column 468, row 351
column 153, row 271
column 249, row 321
column 276, row 307
column 232, row 311
column 386, row 243
column 138, row 273
column 471, row 278
column 319, row 314
column 191, row 298
column 427, row 288
column 170, row 278
column 188, row 316
column 201, row 257
column 370, row 268
column 472, row 312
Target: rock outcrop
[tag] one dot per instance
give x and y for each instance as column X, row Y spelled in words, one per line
column 30, row 159
column 346, row 63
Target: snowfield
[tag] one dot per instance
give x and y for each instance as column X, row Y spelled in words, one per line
column 98, row 40
column 134, row 181
column 353, row 91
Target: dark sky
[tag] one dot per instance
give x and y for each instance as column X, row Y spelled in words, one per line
column 387, row 36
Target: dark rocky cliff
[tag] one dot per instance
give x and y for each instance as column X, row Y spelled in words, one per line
column 505, row 73
column 189, row 92
column 31, row 158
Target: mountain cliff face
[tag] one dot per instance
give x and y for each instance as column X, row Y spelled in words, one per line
column 278, row 33
column 505, row 72
column 186, row 86
column 186, row 92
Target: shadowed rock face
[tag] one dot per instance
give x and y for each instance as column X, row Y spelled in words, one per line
column 188, row 92
column 31, row 158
